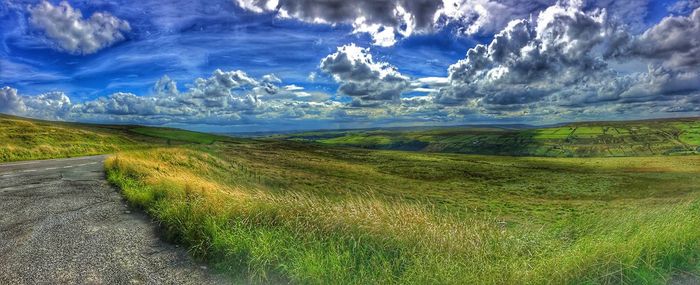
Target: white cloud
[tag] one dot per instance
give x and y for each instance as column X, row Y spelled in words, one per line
column 223, row 98
column 674, row 41
column 51, row 105
column 553, row 65
column 293, row 87
column 387, row 21
column 10, row 102
column 69, row 31
column 529, row 60
column 684, row 6
column 384, row 21
column 360, row 77
column 165, row 87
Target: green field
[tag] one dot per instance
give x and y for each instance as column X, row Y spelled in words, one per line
column 292, row 212
column 25, row 139
column 283, row 211
column 590, row 139
column 178, row 135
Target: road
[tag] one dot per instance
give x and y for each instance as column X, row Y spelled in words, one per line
column 62, row 223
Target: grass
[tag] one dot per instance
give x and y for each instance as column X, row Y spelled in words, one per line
column 178, row 135
column 27, row 139
column 588, row 139
column 268, row 211
column 281, row 211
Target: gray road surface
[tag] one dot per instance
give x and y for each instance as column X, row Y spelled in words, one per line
column 62, row 223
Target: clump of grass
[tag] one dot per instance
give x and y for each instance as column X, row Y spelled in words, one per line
column 228, row 209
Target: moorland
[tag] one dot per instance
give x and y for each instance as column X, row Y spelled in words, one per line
column 606, row 203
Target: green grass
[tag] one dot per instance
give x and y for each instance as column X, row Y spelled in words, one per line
column 178, row 135
column 282, row 211
column 267, row 211
column 26, row 139
column 588, row 139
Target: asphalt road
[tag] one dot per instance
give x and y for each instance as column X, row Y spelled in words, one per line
column 62, row 223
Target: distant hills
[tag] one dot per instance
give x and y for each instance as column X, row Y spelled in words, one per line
column 580, row 139
column 22, row 138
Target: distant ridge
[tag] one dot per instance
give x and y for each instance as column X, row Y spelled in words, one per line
column 667, row 136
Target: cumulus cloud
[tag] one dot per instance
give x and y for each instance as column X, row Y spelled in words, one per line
column 10, row 102
column 360, row 77
column 529, row 59
column 165, row 87
column 66, row 28
column 562, row 61
column 386, row 20
column 51, row 105
column 225, row 97
column 555, row 64
column 674, row 41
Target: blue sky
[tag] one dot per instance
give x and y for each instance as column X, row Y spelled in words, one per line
column 252, row 65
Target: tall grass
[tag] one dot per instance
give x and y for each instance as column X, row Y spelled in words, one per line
column 260, row 233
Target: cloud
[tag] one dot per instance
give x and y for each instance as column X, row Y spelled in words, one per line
column 10, row 102
column 558, row 61
column 684, row 6
column 528, row 60
column 383, row 20
column 674, row 41
column 554, row 65
column 165, row 87
column 386, row 20
column 225, row 97
column 293, row 87
column 51, row 105
column 69, row 31
column 485, row 16
column 360, row 77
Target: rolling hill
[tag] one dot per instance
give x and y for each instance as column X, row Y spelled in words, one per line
column 584, row 139
column 280, row 211
column 23, row 139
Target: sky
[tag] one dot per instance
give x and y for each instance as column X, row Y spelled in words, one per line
column 280, row 65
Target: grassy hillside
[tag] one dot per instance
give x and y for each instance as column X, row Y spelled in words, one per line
column 271, row 211
column 281, row 211
column 630, row 138
column 24, row 139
